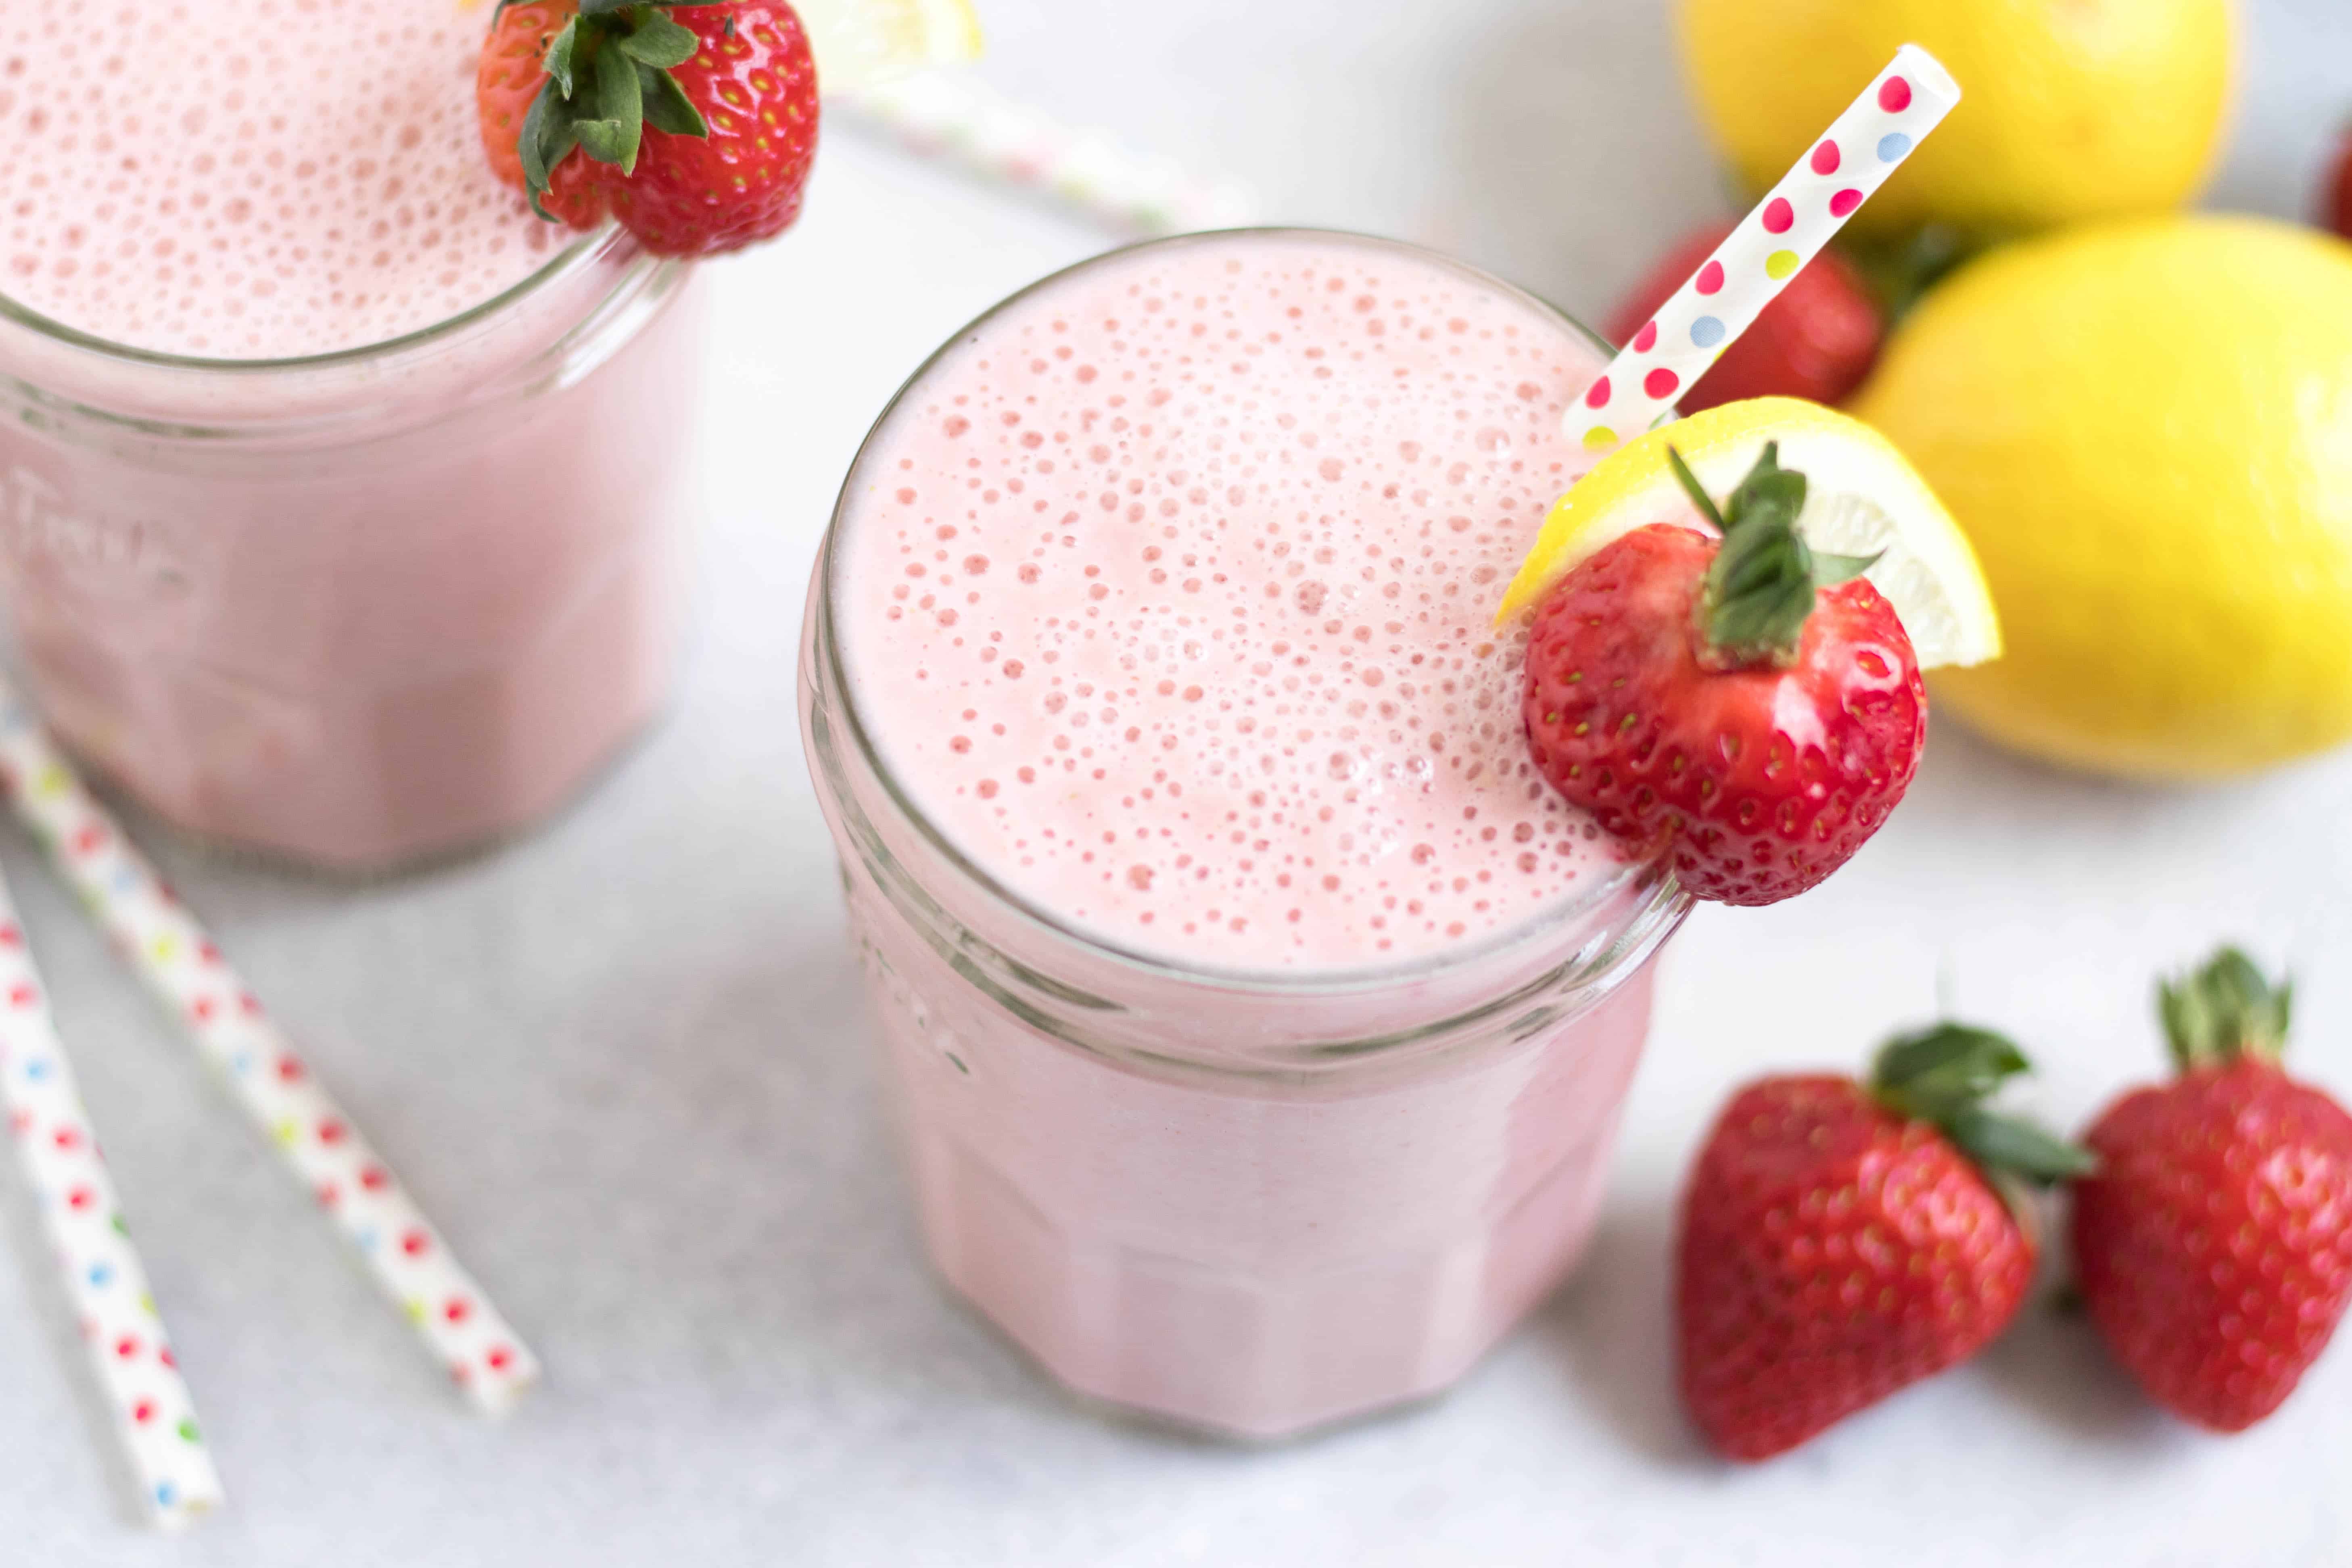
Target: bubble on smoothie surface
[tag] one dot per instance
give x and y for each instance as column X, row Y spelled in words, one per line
column 254, row 179
column 1167, row 597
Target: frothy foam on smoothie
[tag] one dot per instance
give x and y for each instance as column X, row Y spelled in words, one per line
column 1166, row 596
column 252, row 180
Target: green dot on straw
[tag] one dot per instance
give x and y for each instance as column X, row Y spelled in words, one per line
column 1780, row 264
column 188, row 1432
column 1600, row 436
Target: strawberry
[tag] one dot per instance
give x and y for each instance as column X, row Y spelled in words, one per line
column 2214, row 1246
column 1842, row 1241
column 694, row 125
column 1746, row 707
column 741, row 183
column 507, row 79
column 2338, row 195
column 1818, row 340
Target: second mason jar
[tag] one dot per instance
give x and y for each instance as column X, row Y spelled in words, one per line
column 369, row 606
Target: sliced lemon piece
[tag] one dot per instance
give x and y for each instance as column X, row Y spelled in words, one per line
column 1861, row 498
column 861, row 41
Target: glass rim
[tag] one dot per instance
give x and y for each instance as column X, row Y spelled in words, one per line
column 1353, row 980
column 575, row 256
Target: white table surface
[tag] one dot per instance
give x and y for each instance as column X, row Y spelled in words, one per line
column 622, row 1062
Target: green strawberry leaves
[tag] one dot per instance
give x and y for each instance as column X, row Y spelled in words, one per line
column 608, row 78
column 666, row 106
column 1942, row 1075
column 1760, row 590
column 2223, row 1011
column 660, row 43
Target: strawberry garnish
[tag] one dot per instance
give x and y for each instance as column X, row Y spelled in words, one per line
column 506, row 84
column 1817, row 339
column 2214, row 1246
column 694, row 125
column 1742, row 705
column 1841, row 1241
column 741, row 180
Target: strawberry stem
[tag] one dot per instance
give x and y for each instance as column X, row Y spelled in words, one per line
column 608, row 78
column 1944, row 1074
column 2226, row 1010
column 1760, row 588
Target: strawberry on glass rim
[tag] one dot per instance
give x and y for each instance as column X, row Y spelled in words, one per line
column 1736, row 688
column 1817, row 339
column 693, row 125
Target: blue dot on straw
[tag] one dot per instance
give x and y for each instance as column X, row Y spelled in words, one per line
column 100, row 1276
column 241, row 1063
column 165, row 1493
column 366, row 1239
column 1891, row 146
column 37, row 1070
column 1707, row 331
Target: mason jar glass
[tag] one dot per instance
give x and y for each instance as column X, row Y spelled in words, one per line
column 362, row 607
column 1248, row 1203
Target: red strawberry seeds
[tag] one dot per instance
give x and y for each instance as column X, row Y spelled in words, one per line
column 693, row 125
column 1842, row 1241
column 2336, row 199
column 1727, row 710
column 755, row 82
column 2213, row 1247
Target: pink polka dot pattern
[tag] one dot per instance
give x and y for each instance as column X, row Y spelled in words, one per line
column 152, row 1416
column 225, row 1021
column 1906, row 100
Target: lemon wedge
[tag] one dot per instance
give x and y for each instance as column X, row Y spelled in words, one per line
column 858, row 42
column 1862, row 498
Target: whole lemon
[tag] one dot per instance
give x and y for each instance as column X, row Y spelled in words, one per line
column 2070, row 108
column 2145, row 428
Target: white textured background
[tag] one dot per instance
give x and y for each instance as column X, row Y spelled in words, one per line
column 622, row 1063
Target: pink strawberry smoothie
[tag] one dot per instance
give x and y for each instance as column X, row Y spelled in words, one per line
column 1161, row 601
column 1171, row 597
column 252, row 180
column 358, row 609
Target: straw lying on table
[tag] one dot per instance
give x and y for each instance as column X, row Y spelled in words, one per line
column 147, row 1401
column 958, row 118
column 1772, row 244
column 225, row 1021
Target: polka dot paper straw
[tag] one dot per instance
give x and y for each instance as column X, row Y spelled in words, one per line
column 225, row 1021
column 154, row 1418
column 952, row 116
column 1788, row 229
